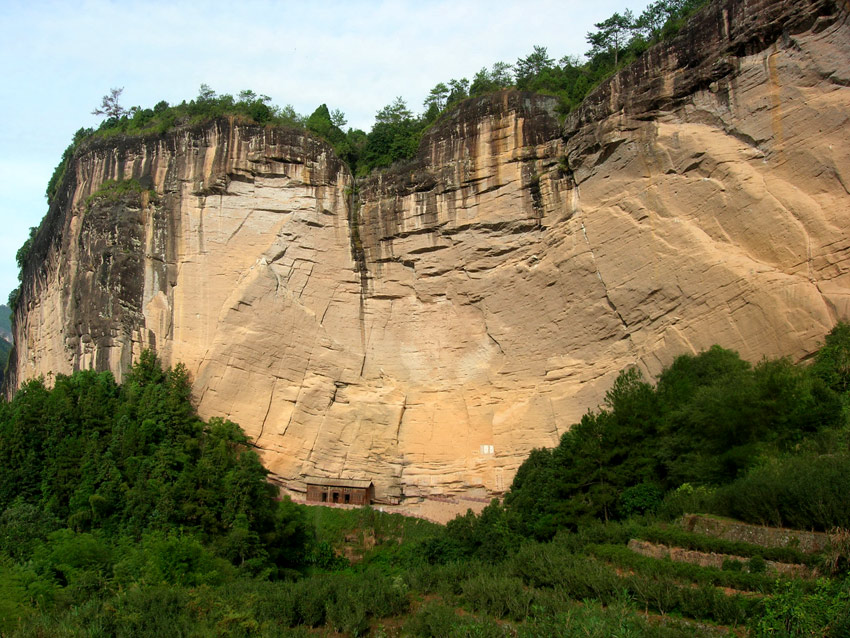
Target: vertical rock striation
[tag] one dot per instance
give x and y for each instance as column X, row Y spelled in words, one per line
column 429, row 326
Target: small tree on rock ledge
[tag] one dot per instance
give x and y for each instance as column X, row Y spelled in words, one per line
column 109, row 106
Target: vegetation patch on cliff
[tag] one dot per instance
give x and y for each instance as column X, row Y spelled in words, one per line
column 207, row 106
column 115, row 190
column 395, row 135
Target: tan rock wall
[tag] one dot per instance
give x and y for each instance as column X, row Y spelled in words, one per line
column 430, row 327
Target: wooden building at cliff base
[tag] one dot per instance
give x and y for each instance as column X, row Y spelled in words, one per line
column 341, row 491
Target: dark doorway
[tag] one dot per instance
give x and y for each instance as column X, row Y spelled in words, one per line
column 336, row 497
column 347, row 498
column 324, row 497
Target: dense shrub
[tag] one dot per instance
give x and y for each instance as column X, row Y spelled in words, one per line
column 591, row 620
column 687, row 499
column 134, row 461
column 432, row 620
column 802, row 492
column 348, row 612
column 498, row 596
column 711, row 419
column 793, row 611
column 23, row 528
column 442, row 578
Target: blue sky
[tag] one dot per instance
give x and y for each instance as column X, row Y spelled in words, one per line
column 60, row 58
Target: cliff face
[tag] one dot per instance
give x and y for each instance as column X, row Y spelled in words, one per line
column 431, row 325
column 713, row 176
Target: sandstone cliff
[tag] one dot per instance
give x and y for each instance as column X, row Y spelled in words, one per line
column 429, row 326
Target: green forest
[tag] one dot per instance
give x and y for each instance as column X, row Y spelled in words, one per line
column 123, row 514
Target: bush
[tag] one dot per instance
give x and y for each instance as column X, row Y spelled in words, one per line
column 791, row 611
column 499, row 596
column 348, row 611
column 801, row 492
column 115, row 190
column 592, row 620
column 445, row 579
column 650, row 567
column 732, row 565
column 312, row 596
column 154, row 612
column 15, row 597
column 543, row 565
column 387, row 596
column 172, row 559
column 323, row 556
column 82, row 563
column 433, row 620
column 639, row 499
column 23, row 527
column 686, row 499
column 756, row 565
column 277, row 604
column 667, row 596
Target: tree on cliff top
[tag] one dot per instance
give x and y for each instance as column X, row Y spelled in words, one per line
column 109, row 105
column 394, row 136
column 394, row 113
column 612, row 34
column 532, row 65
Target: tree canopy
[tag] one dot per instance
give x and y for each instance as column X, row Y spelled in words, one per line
column 127, row 461
column 709, row 419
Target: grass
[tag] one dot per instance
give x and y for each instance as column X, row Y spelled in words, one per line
column 334, row 525
column 114, row 190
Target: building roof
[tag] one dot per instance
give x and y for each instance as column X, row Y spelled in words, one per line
column 337, row 482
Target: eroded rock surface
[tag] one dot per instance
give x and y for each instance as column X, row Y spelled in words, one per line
column 431, row 325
